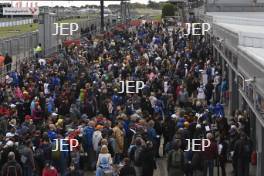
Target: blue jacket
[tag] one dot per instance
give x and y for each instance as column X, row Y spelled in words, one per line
column 52, row 135
column 88, row 132
column 219, row 110
column 152, row 134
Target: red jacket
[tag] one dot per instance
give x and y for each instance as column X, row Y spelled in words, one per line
column 210, row 153
column 4, row 111
column 50, row 171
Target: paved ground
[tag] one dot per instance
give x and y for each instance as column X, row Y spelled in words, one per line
column 162, row 171
column 162, row 167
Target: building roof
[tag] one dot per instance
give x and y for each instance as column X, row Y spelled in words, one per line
column 256, row 53
column 246, row 18
column 248, row 25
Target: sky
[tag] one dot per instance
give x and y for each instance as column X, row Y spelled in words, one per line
column 74, row 3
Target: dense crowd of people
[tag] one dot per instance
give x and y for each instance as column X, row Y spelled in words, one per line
column 75, row 95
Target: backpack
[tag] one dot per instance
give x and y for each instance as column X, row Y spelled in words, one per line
column 55, row 154
column 197, row 161
column 39, row 153
column 23, row 159
column 176, row 159
column 104, row 163
column 137, row 156
column 11, row 170
column 245, row 150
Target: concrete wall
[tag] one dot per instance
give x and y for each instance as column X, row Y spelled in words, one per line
column 230, row 1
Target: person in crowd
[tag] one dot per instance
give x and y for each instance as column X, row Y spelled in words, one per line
column 148, row 160
column 88, row 144
column 127, row 169
column 73, row 171
column 242, row 153
column 75, row 94
column 104, row 161
column 49, row 170
column 11, row 167
column 9, row 147
column 38, row 51
column 2, row 62
column 27, row 159
column 222, row 154
column 119, row 136
column 136, row 155
column 197, row 163
column 8, row 62
column 175, row 160
column 210, row 154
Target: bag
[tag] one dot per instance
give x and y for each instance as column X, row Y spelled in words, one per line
column 245, row 150
column 137, row 156
column 176, row 159
column 104, row 163
column 12, row 170
column 254, row 158
column 39, row 153
column 23, row 159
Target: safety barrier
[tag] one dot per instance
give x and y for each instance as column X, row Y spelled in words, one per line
column 16, row 23
column 21, row 47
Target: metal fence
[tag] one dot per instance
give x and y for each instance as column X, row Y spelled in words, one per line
column 16, row 23
column 21, row 48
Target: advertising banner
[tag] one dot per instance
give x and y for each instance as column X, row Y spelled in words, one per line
column 21, row 11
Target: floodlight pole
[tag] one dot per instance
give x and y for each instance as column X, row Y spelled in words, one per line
column 102, row 15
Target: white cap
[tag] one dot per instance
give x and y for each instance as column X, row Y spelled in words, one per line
column 9, row 144
column 9, row 134
column 12, row 105
column 173, row 116
column 198, row 126
column 233, row 127
column 54, row 114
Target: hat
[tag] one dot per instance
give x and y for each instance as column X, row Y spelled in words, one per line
column 54, row 114
column 9, row 144
column 233, row 127
column 99, row 127
column 12, row 105
column 10, row 135
column 173, row 116
column 28, row 117
column 198, row 126
column 84, row 116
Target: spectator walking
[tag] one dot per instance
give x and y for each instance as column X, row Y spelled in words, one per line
column 11, row 167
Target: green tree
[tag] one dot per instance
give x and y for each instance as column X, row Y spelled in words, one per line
column 153, row 5
column 168, row 9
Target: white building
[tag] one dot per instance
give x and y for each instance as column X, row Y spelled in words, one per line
column 238, row 44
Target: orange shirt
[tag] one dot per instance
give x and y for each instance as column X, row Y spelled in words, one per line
column 2, row 61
